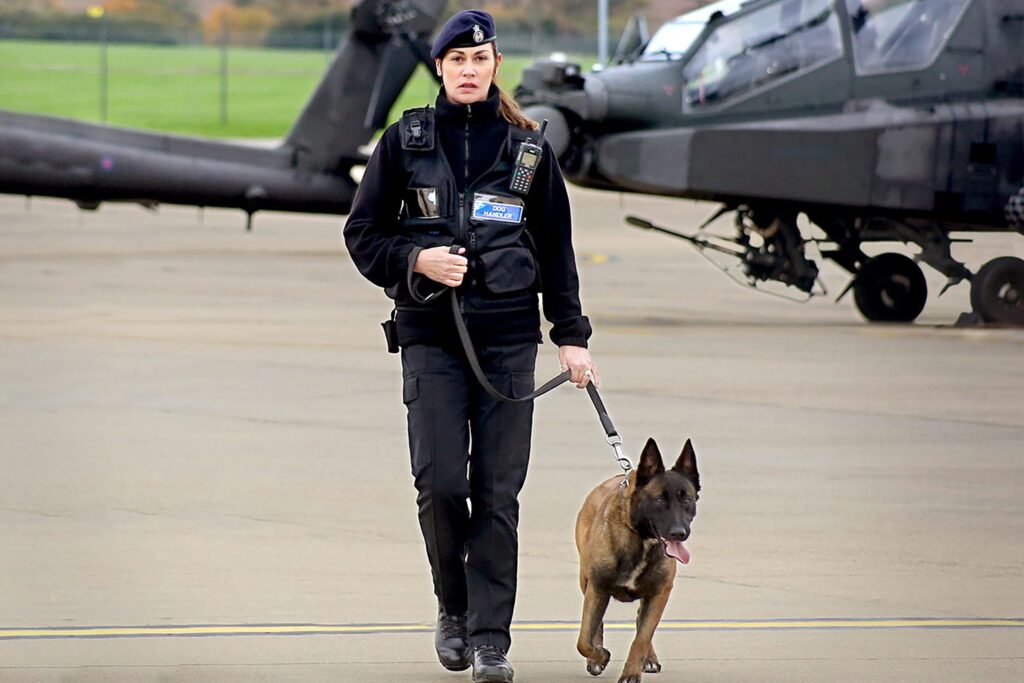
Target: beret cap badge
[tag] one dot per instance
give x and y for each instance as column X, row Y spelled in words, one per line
column 468, row 28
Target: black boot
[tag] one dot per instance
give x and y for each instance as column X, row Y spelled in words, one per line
column 491, row 666
column 451, row 642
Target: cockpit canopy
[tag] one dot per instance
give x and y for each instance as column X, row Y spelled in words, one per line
column 769, row 41
column 764, row 45
column 898, row 35
column 674, row 38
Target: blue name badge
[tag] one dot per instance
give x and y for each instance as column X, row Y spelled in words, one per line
column 489, row 207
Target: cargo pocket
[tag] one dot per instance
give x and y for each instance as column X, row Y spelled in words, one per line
column 522, row 384
column 508, row 270
column 410, row 389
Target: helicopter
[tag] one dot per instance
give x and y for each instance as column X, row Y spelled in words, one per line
column 870, row 121
column 311, row 170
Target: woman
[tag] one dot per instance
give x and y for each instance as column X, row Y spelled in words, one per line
column 435, row 210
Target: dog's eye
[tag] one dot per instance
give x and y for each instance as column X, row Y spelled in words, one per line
column 660, row 501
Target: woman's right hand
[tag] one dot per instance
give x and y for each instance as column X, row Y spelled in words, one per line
column 440, row 265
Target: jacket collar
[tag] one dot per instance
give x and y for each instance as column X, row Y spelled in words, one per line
column 485, row 110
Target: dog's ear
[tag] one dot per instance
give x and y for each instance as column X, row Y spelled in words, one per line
column 686, row 465
column 651, row 464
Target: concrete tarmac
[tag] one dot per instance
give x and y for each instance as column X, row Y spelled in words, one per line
column 202, row 442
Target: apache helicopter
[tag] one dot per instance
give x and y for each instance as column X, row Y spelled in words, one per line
column 310, row 171
column 877, row 120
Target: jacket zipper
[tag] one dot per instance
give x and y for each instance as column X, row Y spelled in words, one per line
column 470, row 233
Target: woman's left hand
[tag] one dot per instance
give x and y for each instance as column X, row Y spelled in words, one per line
column 577, row 360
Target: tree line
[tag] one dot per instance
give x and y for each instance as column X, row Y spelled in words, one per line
column 275, row 23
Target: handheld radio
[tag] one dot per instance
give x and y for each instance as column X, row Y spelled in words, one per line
column 527, row 160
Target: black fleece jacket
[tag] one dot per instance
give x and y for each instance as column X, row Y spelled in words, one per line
column 381, row 253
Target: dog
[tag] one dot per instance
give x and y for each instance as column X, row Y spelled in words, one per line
column 629, row 534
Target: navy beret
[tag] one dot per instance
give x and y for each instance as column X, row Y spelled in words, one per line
column 468, row 28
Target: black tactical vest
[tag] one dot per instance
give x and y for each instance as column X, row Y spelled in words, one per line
column 488, row 219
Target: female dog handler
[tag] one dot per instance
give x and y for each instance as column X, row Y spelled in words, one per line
column 442, row 177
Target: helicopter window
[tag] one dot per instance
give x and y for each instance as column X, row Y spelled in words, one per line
column 674, row 38
column 775, row 41
column 900, row 34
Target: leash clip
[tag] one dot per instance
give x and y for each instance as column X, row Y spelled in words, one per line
column 615, row 441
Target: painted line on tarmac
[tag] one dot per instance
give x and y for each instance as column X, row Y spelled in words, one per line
column 234, row 630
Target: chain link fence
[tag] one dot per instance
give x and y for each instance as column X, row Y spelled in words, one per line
column 535, row 42
column 225, row 84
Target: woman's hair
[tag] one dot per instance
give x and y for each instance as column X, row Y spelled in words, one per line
column 509, row 108
column 512, row 112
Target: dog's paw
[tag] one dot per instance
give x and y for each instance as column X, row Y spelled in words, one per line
column 627, row 678
column 597, row 664
column 652, row 666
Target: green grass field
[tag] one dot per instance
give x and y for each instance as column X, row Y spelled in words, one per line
column 177, row 88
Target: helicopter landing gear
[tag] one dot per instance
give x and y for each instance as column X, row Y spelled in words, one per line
column 997, row 291
column 780, row 255
column 890, row 288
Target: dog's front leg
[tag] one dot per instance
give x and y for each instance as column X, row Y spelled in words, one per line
column 594, row 606
column 651, row 610
column 651, row 663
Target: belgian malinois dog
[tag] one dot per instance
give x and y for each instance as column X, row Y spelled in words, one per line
column 630, row 534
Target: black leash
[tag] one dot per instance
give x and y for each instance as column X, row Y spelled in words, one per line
column 474, row 363
column 611, row 435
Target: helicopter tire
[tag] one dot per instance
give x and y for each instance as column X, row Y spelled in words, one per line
column 997, row 291
column 890, row 288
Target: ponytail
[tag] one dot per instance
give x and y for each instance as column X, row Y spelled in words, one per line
column 509, row 109
column 512, row 112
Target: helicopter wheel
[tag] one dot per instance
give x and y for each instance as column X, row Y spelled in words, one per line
column 997, row 291
column 890, row 288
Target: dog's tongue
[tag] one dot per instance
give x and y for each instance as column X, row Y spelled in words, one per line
column 677, row 550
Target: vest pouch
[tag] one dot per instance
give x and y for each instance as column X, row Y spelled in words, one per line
column 431, row 238
column 508, row 270
column 425, row 215
column 421, row 202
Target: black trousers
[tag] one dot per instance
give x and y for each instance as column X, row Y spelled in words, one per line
column 469, row 458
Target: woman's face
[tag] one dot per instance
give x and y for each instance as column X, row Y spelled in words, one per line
column 467, row 72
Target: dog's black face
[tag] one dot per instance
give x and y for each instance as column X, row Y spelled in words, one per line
column 664, row 503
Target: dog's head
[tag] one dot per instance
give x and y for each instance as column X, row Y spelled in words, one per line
column 664, row 503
